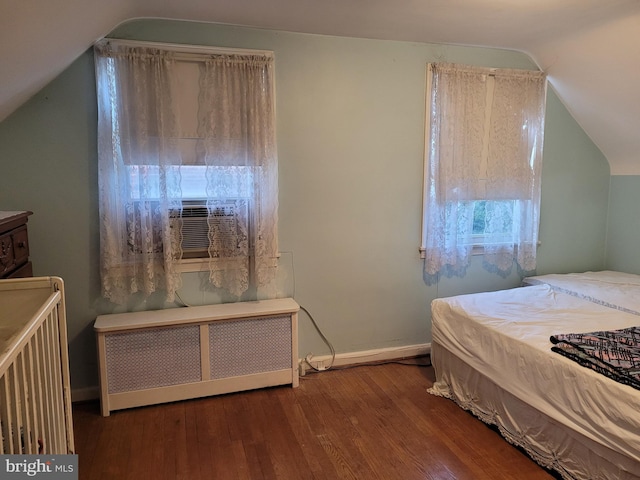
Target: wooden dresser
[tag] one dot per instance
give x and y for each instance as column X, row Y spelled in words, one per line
column 14, row 245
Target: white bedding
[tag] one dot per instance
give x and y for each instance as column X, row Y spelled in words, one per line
column 505, row 336
column 617, row 290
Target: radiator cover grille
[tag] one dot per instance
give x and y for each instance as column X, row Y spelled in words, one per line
column 153, row 358
column 249, row 346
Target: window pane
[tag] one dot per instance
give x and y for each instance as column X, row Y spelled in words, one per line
column 226, row 182
column 193, row 181
column 479, row 213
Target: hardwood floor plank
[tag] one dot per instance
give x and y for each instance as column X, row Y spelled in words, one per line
column 192, row 444
column 418, row 451
column 373, row 422
column 319, row 464
column 444, row 459
column 286, row 453
column 371, row 414
column 347, row 434
column 141, row 449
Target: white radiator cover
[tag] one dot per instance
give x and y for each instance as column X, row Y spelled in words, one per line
column 167, row 355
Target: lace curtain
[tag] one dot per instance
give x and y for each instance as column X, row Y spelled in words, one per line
column 147, row 162
column 236, row 130
column 138, row 183
column 484, row 151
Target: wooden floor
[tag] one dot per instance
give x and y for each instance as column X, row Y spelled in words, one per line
column 369, row 422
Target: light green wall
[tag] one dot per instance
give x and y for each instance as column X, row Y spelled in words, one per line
column 575, row 190
column 350, row 140
column 624, row 224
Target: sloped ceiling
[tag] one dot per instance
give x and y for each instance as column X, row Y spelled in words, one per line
column 589, row 48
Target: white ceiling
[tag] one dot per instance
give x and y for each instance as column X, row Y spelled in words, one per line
column 589, row 48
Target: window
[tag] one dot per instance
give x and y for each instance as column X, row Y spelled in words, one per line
column 483, row 158
column 187, row 167
column 492, row 222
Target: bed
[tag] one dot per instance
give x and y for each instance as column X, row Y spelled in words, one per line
column 492, row 354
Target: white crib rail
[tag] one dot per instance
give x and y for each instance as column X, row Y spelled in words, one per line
column 35, row 402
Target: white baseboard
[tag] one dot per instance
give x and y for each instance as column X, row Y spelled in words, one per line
column 318, row 361
column 322, row 362
column 85, row 394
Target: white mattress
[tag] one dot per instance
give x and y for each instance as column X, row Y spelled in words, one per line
column 617, row 290
column 505, row 336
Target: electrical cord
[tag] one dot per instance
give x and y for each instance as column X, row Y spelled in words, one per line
column 183, row 303
column 377, row 364
column 309, row 356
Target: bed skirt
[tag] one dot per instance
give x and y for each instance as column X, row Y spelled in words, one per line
column 550, row 444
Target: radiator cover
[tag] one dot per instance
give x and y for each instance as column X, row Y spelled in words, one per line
column 167, row 355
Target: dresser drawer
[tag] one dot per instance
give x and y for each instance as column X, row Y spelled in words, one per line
column 7, row 257
column 14, row 245
column 20, row 245
column 24, row 271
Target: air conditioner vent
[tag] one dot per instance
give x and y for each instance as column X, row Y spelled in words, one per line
column 194, row 220
column 195, row 229
column 193, row 211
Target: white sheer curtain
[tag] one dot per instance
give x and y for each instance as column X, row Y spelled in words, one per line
column 484, row 150
column 180, row 126
column 138, row 177
column 236, row 128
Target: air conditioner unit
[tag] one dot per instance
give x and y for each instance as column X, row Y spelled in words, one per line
column 194, row 221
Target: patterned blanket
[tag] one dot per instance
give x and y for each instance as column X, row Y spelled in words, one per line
column 614, row 353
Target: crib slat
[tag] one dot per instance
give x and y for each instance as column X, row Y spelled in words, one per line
column 15, row 417
column 56, row 406
column 30, row 402
column 5, row 415
column 50, row 388
column 22, row 384
column 36, row 343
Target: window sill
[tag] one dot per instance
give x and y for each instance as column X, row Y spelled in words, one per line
column 189, row 265
column 476, row 250
column 193, row 265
